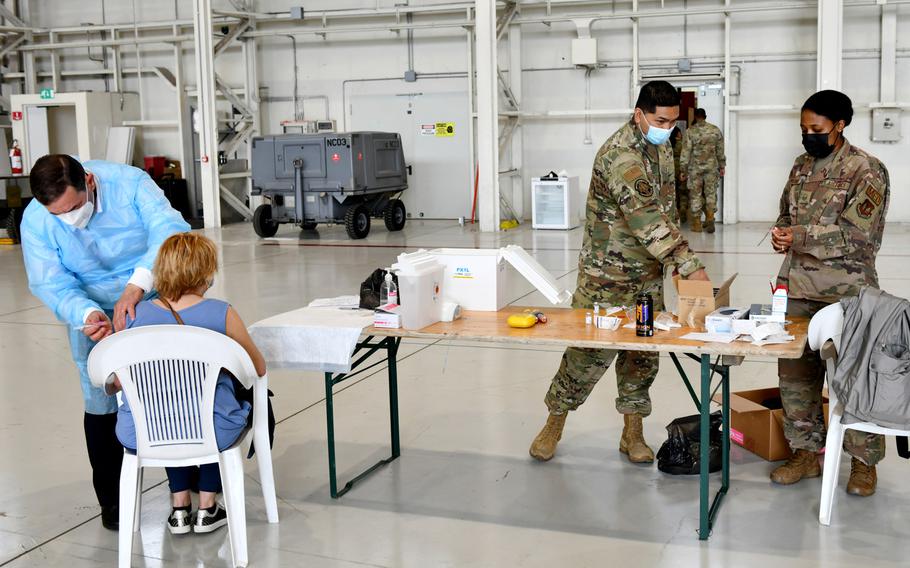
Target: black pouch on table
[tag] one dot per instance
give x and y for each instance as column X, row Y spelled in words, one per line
column 680, row 453
column 369, row 289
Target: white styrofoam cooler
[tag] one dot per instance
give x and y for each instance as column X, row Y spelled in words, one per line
column 478, row 279
column 420, row 285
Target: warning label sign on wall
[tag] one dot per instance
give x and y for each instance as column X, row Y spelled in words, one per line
column 439, row 129
column 445, row 129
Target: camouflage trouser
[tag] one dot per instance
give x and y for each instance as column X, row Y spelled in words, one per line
column 582, row 368
column 801, row 382
column 703, row 190
column 682, row 196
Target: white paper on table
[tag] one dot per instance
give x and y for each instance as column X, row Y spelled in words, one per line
column 710, row 337
column 315, row 339
column 609, row 311
column 767, row 330
column 774, row 340
column 338, row 302
column 743, row 326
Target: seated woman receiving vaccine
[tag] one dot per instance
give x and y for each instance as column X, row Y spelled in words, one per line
column 184, row 271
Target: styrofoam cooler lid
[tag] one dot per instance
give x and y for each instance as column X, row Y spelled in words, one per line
column 536, row 274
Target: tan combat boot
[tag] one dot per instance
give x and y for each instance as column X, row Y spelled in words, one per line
column 696, row 222
column 632, row 442
column 709, row 221
column 803, row 464
column 544, row 445
column 862, row 479
column 682, row 216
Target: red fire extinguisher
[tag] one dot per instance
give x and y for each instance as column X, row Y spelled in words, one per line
column 15, row 158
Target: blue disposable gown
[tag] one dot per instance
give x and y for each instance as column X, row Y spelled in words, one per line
column 72, row 270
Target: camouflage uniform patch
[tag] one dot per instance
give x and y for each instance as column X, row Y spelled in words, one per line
column 701, row 159
column 629, row 235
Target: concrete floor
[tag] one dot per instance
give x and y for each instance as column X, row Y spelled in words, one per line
column 465, row 492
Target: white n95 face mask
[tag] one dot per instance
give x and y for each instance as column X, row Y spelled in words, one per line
column 79, row 218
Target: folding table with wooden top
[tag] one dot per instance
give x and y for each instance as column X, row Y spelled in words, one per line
column 566, row 328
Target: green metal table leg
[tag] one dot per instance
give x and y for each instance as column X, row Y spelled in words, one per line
column 390, row 344
column 393, row 395
column 330, row 434
column 725, row 390
column 704, row 525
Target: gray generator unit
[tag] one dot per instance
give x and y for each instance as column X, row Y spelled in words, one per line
column 347, row 178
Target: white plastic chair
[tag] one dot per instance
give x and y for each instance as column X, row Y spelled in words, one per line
column 168, row 374
column 825, row 326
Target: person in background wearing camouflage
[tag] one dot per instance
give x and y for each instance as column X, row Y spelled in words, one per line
column 702, row 162
column 631, row 233
column 832, row 213
column 682, row 192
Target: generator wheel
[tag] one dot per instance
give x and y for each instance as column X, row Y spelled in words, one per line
column 263, row 224
column 308, row 226
column 357, row 221
column 395, row 215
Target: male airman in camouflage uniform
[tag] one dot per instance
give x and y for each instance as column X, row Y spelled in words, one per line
column 702, row 162
column 832, row 214
column 631, row 233
column 682, row 192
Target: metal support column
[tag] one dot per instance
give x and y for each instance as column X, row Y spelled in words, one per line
column 207, row 116
column 487, row 116
column 516, row 197
column 30, row 85
column 633, row 81
column 730, row 180
column 184, row 128
column 251, row 98
column 55, row 65
column 830, row 43
column 888, row 69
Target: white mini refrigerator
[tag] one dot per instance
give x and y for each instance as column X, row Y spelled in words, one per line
column 555, row 203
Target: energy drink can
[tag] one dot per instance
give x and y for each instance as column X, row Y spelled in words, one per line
column 644, row 315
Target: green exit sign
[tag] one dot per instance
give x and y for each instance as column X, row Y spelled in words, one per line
column 47, row 93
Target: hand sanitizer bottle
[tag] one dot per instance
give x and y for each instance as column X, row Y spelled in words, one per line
column 388, row 291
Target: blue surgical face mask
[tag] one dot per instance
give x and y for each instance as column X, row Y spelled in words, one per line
column 656, row 135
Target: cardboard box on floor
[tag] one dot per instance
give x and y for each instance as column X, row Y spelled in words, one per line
column 757, row 427
column 698, row 298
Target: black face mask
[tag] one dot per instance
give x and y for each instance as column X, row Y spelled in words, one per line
column 817, row 146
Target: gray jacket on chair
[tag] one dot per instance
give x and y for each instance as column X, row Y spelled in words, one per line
column 872, row 378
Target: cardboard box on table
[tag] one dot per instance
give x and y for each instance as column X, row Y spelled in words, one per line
column 758, row 428
column 698, row 298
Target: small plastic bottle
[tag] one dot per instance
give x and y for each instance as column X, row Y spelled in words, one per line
column 388, row 291
column 596, row 309
column 588, row 319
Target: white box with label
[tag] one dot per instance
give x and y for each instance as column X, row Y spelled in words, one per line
column 479, row 279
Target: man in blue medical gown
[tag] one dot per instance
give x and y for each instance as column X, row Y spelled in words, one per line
column 90, row 238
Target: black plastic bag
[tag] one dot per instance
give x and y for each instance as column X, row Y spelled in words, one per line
column 679, row 455
column 369, row 289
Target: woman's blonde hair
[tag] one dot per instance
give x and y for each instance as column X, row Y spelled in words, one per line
column 186, row 261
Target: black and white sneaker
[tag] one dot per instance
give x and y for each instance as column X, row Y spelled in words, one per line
column 208, row 521
column 180, row 521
